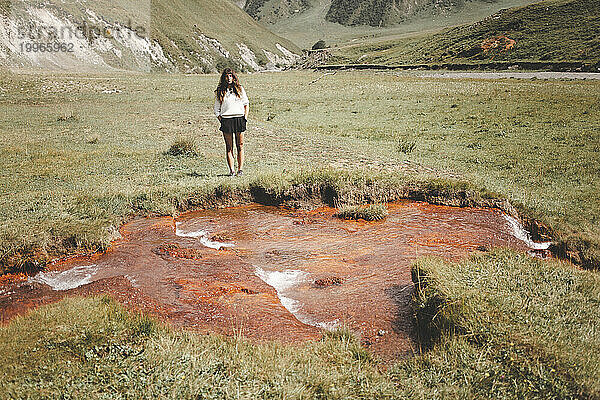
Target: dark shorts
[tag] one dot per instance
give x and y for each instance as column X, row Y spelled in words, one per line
column 233, row 125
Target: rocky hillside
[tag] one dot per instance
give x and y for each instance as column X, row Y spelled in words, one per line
column 387, row 12
column 548, row 31
column 358, row 12
column 189, row 36
column 271, row 11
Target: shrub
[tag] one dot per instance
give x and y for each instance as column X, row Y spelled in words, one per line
column 183, row 147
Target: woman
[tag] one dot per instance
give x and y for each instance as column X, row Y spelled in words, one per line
column 231, row 108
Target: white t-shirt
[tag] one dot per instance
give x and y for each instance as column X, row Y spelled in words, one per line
column 232, row 105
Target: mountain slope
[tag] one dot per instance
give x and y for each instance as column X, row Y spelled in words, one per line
column 376, row 13
column 388, row 12
column 175, row 36
column 306, row 27
column 271, row 11
column 550, row 30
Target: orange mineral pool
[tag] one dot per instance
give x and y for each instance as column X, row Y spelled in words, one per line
column 275, row 273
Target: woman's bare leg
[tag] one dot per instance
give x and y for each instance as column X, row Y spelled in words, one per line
column 239, row 143
column 229, row 150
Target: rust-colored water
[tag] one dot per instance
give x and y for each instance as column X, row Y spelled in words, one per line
column 287, row 274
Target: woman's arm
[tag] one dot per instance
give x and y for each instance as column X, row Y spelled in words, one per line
column 245, row 102
column 217, row 108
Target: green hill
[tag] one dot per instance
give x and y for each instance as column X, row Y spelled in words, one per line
column 548, row 31
column 175, row 36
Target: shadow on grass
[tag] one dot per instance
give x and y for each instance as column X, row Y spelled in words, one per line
column 403, row 321
column 198, row 175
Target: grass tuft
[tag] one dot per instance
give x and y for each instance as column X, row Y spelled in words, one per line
column 183, row 147
column 372, row 212
column 405, row 146
column 67, row 118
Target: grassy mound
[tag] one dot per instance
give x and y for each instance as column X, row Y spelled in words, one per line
column 543, row 31
column 92, row 348
column 373, row 212
column 506, row 325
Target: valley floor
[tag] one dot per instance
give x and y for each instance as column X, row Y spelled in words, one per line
column 82, row 154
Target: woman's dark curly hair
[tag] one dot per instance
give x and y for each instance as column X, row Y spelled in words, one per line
column 224, row 85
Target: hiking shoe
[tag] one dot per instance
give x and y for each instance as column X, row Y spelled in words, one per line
column 240, row 173
column 231, row 173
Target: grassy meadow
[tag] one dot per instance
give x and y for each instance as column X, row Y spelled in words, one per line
column 536, row 142
column 81, row 154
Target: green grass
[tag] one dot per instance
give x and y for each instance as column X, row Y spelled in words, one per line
column 70, row 183
column 373, row 212
column 92, row 348
column 504, row 325
column 543, row 31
